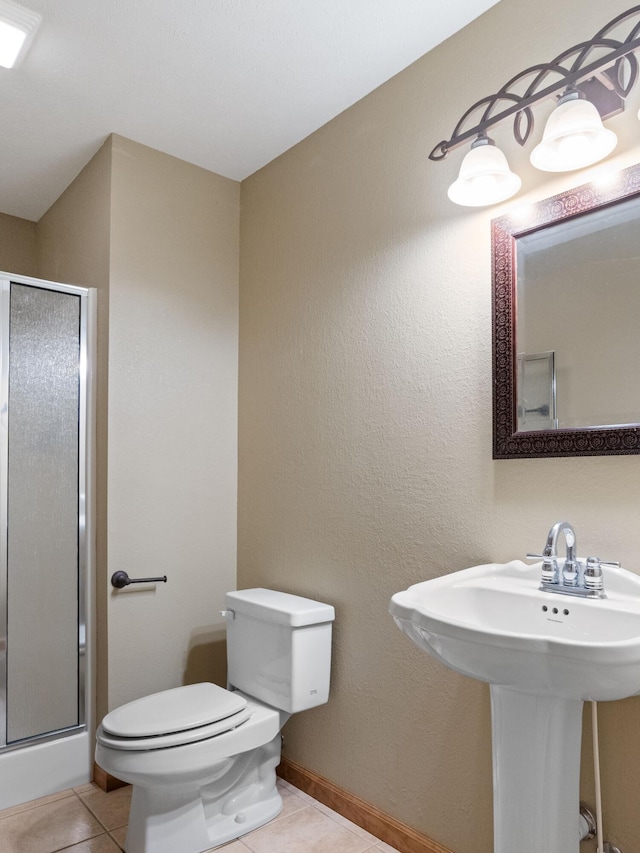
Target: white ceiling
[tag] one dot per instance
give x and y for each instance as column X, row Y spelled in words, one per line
column 225, row 84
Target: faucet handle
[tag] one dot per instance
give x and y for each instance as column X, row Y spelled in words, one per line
column 593, row 572
column 549, row 567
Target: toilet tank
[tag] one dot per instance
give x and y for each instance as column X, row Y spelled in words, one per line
column 279, row 647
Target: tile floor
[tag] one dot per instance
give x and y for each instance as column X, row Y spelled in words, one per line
column 86, row 820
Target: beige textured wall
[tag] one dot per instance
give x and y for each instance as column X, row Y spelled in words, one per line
column 159, row 239
column 18, row 248
column 73, row 247
column 173, row 326
column 365, row 425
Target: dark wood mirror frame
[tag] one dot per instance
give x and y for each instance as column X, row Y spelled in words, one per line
column 508, row 443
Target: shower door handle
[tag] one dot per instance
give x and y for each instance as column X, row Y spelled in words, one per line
column 121, row 579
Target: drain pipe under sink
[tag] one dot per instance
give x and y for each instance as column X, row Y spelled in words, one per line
column 603, row 847
column 596, row 773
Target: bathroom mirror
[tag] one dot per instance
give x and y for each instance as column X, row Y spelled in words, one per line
column 566, row 324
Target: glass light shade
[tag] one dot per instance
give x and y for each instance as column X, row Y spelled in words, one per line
column 17, row 28
column 574, row 137
column 484, row 178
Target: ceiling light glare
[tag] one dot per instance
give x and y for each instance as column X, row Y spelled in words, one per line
column 17, row 28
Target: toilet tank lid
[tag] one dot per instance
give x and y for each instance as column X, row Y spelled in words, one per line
column 280, row 607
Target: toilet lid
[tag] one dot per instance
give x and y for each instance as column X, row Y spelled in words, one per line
column 145, row 744
column 176, row 710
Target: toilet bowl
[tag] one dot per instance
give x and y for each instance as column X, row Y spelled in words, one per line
column 202, row 759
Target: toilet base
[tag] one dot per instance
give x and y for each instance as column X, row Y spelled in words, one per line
column 189, row 819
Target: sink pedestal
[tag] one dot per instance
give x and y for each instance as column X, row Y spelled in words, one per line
column 536, row 772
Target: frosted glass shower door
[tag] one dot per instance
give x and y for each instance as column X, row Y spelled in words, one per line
column 42, row 504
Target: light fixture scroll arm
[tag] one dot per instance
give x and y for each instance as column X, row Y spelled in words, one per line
column 529, row 97
column 459, row 136
column 612, row 77
column 607, row 73
column 623, row 16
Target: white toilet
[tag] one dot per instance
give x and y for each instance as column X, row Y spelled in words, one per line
column 202, row 759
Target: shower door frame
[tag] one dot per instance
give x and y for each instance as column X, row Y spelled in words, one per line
column 78, row 759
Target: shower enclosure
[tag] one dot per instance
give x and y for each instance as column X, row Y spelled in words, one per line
column 46, row 341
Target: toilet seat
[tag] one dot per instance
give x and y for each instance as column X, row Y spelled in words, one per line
column 174, row 717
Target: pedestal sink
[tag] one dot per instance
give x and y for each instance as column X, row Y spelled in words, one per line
column 543, row 655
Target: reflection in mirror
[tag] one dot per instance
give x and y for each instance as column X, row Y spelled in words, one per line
column 536, row 391
column 578, row 295
column 566, row 324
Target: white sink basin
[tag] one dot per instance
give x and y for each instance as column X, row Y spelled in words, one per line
column 493, row 623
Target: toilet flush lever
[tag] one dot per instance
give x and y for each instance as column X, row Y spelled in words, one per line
column 228, row 614
column 121, row 579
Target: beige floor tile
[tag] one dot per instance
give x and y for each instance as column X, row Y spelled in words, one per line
column 48, row 827
column 119, row 835
column 306, row 831
column 99, row 844
column 287, row 786
column 343, row 821
column 70, row 822
column 32, row 804
column 112, row 809
column 291, row 802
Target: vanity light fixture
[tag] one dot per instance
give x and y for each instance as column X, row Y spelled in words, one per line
column 17, row 29
column 590, row 82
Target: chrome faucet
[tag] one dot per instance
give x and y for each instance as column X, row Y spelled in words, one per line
column 570, row 567
column 570, row 576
